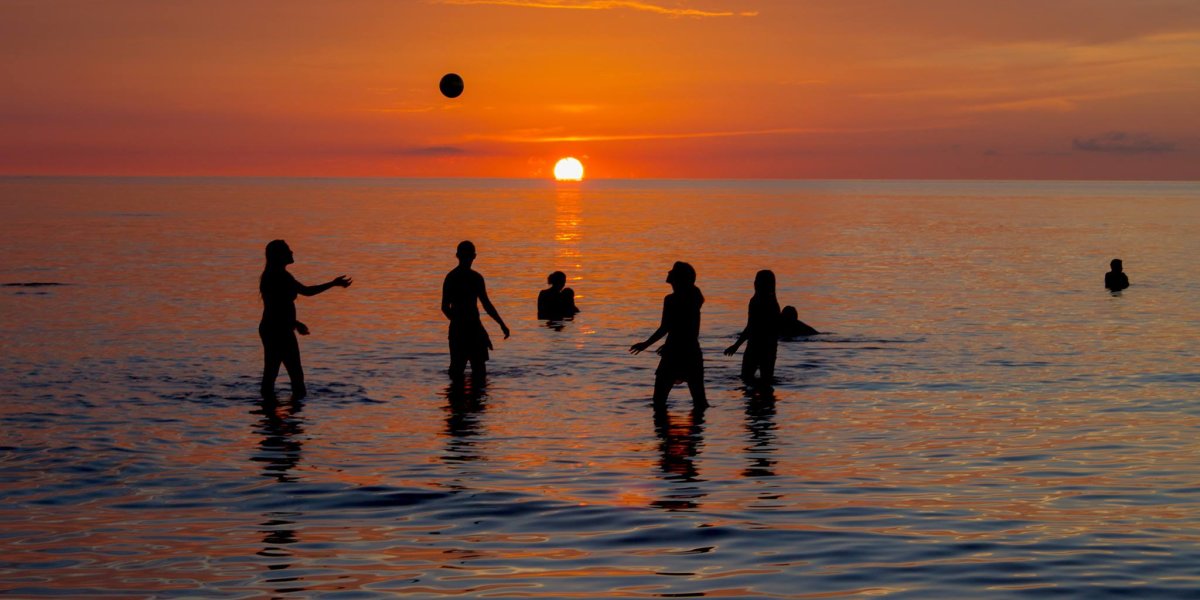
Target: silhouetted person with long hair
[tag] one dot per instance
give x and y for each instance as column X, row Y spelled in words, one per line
column 681, row 357
column 790, row 325
column 1116, row 279
column 279, row 326
column 762, row 330
column 558, row 301
column 462, row 292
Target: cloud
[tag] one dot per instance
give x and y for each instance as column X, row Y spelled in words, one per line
column 1120, row 142
column 530, row 136
column 430, row 151
column 607, row 5
column 1031, row 105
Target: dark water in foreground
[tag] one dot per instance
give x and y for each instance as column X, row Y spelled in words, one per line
column 982, row 420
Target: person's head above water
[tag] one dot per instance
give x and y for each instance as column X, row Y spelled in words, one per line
column 764, row 282
column 789, row 313
column 557, row 280
column 1116, row 265
column 465, row 252
column 279, row 254
column 682, row 276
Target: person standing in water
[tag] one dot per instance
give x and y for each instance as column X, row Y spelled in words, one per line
column 681, row 357
column 1116, row 279
column 279, row 326
column 462, row 292
column 558, row 301
column 762, row 330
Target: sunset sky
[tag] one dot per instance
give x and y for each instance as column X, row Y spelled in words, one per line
column 1044, row 89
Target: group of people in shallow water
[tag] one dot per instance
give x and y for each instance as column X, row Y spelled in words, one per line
column 464, row 290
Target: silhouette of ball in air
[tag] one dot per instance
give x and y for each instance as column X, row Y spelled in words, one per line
column 451, row 85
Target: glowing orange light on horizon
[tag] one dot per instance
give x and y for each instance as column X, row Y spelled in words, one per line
column 568, row 169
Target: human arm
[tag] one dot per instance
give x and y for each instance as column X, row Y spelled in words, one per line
column 654, row 337
column 489, row 309
column 313, row 290
column 744, row 335
column 446, row 298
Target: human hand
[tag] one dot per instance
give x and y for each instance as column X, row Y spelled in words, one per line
column 342, row 281
column 504, row 328
column 301, row 328
column 730, row 351
column 638, row 347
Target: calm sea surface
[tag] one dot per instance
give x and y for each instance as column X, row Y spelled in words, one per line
column 982, row 418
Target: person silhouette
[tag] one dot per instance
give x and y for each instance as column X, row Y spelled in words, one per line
column 558, row 301
column 279, row 326
column 790, row 325
column 681, row 357
column 1116, row 279
column 762, row 330
column 462, row 292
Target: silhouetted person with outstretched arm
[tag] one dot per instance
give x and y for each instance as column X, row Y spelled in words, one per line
column 279, row 326
column 558, row 301
column 462, row 292
column 762, row 330
column 1116, row 279
column 790, row 325
column 681, row 357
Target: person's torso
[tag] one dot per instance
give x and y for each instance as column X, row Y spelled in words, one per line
column 279, row 291
column 463, row 288
column 683, row 320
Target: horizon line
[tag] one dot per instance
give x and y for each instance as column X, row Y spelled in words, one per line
column 577, row 183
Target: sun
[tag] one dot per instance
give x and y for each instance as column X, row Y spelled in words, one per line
column 568, row 169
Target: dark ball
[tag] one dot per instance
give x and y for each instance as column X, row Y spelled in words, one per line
column 451, row 85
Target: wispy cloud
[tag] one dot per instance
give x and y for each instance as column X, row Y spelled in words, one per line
column 608, row 5
column 430, row 151
column 536, row 137
column 1121, row 142
column 1029, row 105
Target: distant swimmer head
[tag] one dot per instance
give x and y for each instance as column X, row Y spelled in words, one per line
column 557, row 279
column 789, row 313
column 1116, row 265
column 279, row 254
column 764, row 282
column 466, row 250
column 682, row 275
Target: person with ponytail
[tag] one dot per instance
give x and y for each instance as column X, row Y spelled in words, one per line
column 681, row 357
column 279, row 326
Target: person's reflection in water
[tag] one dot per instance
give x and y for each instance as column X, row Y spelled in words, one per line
column 279, row 452
column 465, row 403
column 680, row 439
column 760, row 425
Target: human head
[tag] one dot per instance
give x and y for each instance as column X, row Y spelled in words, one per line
column 1116, row 265
column 764, row 282
column 465, row 252
column 557, row 279
column 681, row 276
column 279, row 254
column 789, row 313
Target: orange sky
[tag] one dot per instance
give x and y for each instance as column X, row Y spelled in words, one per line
column 1062, row 89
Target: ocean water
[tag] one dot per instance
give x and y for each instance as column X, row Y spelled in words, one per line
column 980, row 419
